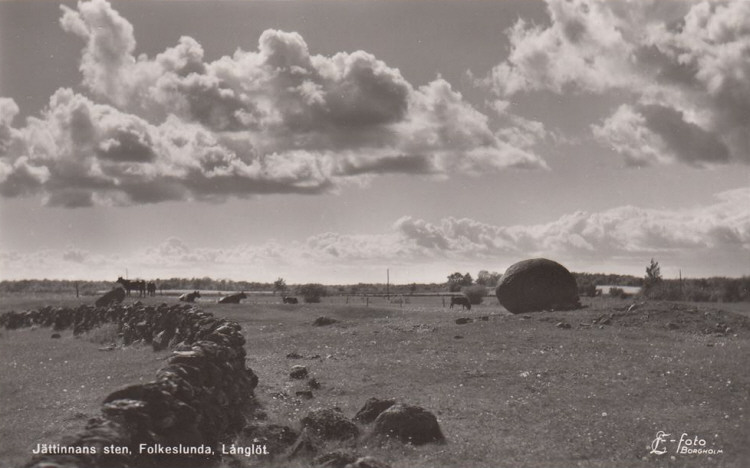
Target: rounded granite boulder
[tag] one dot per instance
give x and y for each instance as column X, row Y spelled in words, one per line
column 537, row 284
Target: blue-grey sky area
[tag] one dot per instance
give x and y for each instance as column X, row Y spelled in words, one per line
column 329, row 140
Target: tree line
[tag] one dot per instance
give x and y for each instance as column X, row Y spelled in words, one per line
column 653, row 286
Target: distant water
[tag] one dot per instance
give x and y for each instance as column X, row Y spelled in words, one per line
column 628, row 289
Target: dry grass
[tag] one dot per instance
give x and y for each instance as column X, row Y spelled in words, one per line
column 512, row 391
column 50, row 387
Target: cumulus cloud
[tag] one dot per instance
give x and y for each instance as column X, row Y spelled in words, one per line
column 277, row 119
column 623, row 235
column 655, row 133
column 684, row 64
column 713, row 237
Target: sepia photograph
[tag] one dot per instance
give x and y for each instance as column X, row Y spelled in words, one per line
column 374, row 233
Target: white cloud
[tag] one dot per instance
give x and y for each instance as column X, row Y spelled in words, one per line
column 713, row 239
column 274, row 120
column 682, row 67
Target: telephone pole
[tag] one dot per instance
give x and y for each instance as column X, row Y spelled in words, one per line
column 387, row 283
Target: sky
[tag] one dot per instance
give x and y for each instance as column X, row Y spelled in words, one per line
column 330, row 141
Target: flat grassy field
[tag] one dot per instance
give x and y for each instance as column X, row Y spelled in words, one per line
column 50, row 387
column 509, row 391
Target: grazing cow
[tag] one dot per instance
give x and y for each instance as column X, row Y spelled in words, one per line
column 116, row 295
column 151, row 288
column 289, row 300
column 190, row 297
column 233, row 298
column 460, row 300
column 138, row 285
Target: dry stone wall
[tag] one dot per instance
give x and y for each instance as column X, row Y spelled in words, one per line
column 196, row 401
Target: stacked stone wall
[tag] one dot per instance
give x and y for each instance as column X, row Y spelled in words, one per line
column 196, row 401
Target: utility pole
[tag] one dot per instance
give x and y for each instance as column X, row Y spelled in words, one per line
column 388, row 283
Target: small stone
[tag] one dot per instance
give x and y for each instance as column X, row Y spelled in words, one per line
column 298, row 372
column 294, row 355
column 463, row 320
column 313, row 383
column 323, row 321
column 305, row 394
column 276, row 437
column 562, row 325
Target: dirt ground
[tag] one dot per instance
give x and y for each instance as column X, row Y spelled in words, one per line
column 588, row 388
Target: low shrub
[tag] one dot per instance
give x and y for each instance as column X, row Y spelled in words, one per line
column 618, row 292
column 312, row 292
column 475, row 294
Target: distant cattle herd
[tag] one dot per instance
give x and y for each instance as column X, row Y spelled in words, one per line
column 125, row 287
column 140, row 286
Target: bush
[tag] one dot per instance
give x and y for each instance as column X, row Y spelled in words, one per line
column 618, row 292
column 588, row 289
column 475, row 294
column 312, row 292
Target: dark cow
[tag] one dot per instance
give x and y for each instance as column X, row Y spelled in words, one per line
column 151, row 288
column 289, row 300
column 460, row 300
column 138, row 285
column 116, row 295
column 233, row 298
column 190, row 297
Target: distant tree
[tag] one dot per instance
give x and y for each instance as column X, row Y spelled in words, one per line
column 279, row 286
column 413, row 288
column 653, row 275
column 468, row 280
column 485, row 278
column 456, row 281
column 312, row 292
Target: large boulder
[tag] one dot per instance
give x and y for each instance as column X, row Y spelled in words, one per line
column 115, row 296
column 372, row 409
column 537, row 284
column 329, row 424
column 409, row 424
